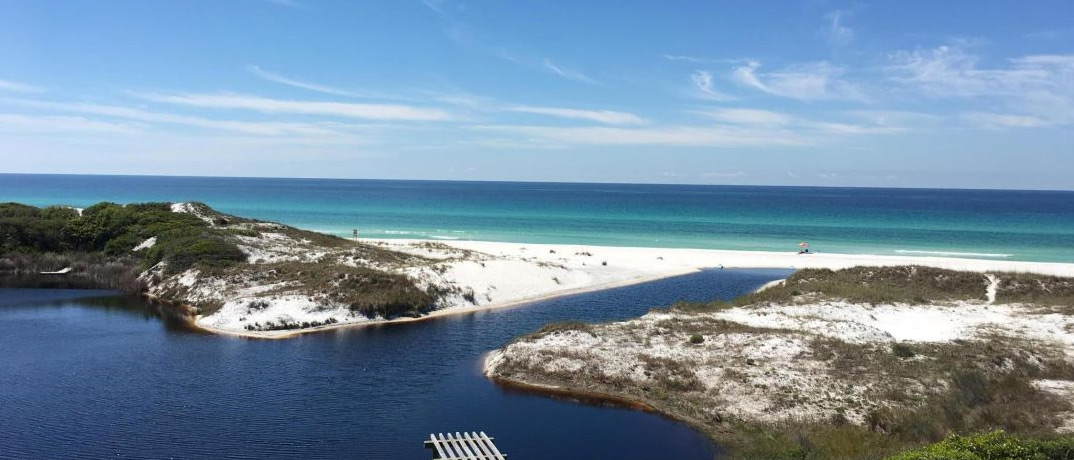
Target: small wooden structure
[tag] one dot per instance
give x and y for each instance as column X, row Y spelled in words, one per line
column 465, row 446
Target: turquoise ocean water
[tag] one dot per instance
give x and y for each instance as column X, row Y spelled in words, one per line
column 1007, row 225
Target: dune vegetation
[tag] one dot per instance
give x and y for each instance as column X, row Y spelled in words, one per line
column 861, row 363
column 176, row 252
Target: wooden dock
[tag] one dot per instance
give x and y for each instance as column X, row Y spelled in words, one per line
column 465, row 446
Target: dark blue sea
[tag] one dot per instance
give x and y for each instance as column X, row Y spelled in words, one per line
column 88, row 374
column 995, row 224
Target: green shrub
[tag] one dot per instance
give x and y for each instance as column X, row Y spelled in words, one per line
column 183, row 249
column 993, row 446
column 875, row 285
column 1038, row 289
column 903, row 350
column 697, row 339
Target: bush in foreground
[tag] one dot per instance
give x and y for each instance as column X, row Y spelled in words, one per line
column 993, row 446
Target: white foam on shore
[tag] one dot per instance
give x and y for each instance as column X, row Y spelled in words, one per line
column 953, row 254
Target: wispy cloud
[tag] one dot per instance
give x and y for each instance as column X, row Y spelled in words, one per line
column 807, row 82
column 435, row 5
column 566, row 73
column 1031, row 88
column 851, row 129
column 723, row 175
column 679, row 136
column 277, row 78
column 1001, row 121
column 703, row 84
column 245, row 127
column 608, row 117
column 754, row 117
column 1050, row 34
column 35, row 124
column 950, row 71
column 766, row 119
column 16, row 87
column 836, row 31
column 896, row 117
column 333, row 109
column 691, row 59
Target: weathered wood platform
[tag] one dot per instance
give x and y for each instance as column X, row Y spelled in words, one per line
column 465, row 446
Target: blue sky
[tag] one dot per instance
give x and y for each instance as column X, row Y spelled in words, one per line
column 920, row 93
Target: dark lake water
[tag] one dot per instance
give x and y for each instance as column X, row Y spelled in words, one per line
column 87, row 374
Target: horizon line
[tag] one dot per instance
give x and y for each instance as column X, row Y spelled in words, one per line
column 494, row 181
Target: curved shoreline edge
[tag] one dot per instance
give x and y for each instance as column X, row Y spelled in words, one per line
column 594, row 398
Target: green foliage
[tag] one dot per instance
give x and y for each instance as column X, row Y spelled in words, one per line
column 993, row 446
column 811, row 441
column 183, row 240
column 1036, row 289
column 903, row 350
column 875, row 285
column 184, row 248
column 872, row 285
column 29, row 229
column 363, row 290
column 697, row 339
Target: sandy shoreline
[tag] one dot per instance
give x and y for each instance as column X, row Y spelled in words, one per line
column 514, row 274
column 283, row 334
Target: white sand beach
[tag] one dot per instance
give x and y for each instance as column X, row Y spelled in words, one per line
column 494, row 275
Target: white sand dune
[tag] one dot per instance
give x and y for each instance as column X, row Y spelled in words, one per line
column 500, row 275
column 522, row 273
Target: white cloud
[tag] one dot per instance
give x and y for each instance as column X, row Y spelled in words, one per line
column 1050, row 34
column 806, row 82
column 19, row 123
column 1039, row 87
column 685, row 58
column 335, row 109
column 566, row 73
column 277, row 78
column 6, row 85
column 435, row 5
column 702, row 80
column 680, row 136
column 834, row 128
column 748, row 117
column 895, row 117
column 723, row 175
column 245, row 127
column 601, row 116
column 999, row 121
column 837, row 33
column 950, row 71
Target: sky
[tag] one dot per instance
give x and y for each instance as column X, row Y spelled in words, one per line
column 965, row 94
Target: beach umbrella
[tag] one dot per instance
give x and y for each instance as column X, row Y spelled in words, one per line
column 803, row 244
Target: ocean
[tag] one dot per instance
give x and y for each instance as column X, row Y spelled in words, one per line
column 993, row 224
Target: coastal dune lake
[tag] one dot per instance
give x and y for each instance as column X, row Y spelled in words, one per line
column 89, row 374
